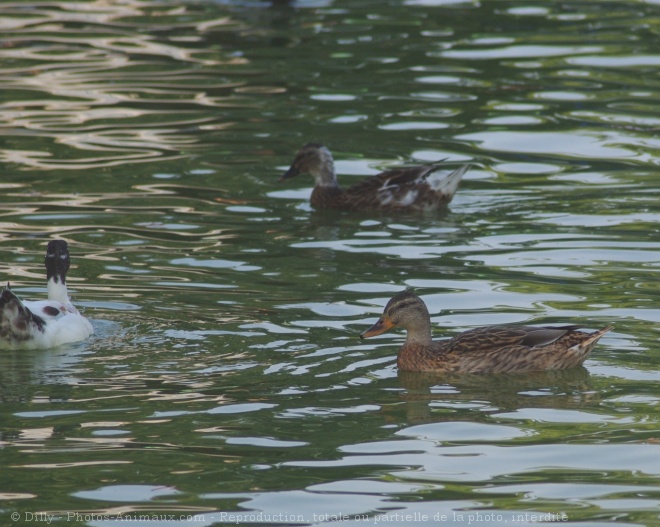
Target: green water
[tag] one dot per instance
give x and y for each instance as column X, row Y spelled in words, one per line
column 226, row 382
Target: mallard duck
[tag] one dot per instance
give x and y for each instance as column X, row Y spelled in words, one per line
column 43, row 323
column 415, row 188
column 494, row 349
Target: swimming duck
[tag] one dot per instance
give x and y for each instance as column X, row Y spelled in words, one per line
column 43, row 323
column 415, row 188
column 495, row 349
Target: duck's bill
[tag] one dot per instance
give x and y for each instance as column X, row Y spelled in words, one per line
column 292, row 172
column 379, row 327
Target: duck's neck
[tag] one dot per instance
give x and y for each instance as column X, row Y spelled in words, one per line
column 417, row 352
column 325, row 175
column 57, row 291
column 419, row 333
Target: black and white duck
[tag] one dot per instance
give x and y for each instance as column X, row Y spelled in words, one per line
column 43, row 323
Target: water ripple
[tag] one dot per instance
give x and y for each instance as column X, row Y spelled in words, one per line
column 226, row 374
column 108, row 98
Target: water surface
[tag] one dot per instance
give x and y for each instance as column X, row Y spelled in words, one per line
column 225, row 383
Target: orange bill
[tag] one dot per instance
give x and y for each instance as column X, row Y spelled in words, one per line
column 383, row 324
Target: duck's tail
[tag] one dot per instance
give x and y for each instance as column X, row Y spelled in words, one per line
column 589, row 343
column 444, row 183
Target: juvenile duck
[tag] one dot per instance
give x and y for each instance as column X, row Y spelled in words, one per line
column 43, row 323
column 495, row 349
column 416, row 188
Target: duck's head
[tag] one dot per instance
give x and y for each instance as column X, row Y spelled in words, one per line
column 314, row 159
column 406, row 310
column 57, row 261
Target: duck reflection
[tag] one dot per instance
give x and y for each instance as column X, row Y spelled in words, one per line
column 558, row 389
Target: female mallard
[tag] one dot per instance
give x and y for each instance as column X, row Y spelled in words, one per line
column 415, row 188
column 496, row 349
column 43, row 323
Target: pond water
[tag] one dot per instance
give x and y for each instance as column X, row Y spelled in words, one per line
column 225, row 382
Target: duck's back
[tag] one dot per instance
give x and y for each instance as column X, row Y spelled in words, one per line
column 64, row 323
column 40, row 324
column 500, row 349
column 417, row 188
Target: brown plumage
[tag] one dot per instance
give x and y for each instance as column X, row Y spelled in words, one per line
column 415, row 188
column 495, row 349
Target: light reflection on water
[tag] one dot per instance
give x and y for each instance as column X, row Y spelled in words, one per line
column 225, row 374
column 97, row 94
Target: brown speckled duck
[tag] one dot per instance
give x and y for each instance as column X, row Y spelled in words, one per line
column 415, row 188
column 494, row 349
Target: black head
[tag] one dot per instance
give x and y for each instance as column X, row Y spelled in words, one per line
column 57, row 260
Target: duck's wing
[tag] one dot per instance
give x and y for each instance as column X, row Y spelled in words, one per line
column 518, row 348
column 415, row 188
column 401, row 177
column 17, row 322
column 544, row 336
column 498, row 337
